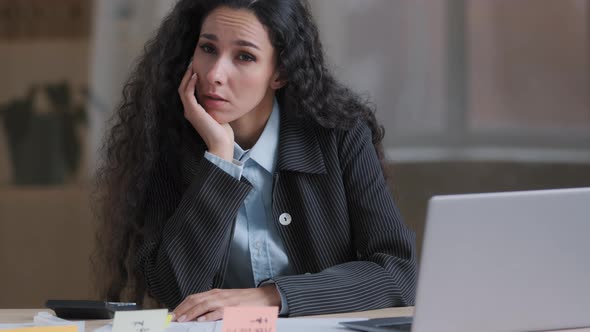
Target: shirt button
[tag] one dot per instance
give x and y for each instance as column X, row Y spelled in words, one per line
column 257, row 245
column 285, row 219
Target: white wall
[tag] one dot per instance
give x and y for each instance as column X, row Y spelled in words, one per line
column 512, row 82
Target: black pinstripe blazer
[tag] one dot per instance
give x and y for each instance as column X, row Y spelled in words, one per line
column 346, row 242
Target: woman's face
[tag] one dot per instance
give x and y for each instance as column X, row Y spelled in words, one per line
column 235, row 64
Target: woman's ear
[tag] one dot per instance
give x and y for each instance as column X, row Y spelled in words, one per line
column 277, row 81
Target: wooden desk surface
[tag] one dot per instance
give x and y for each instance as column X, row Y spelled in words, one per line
column 26, row 316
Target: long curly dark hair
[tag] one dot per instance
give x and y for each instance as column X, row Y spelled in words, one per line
column 148, row 124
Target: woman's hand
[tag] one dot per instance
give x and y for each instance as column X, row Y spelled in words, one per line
column 218, row 137
column 209, row 305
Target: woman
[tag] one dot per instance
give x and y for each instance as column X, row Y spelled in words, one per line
column 250, row 177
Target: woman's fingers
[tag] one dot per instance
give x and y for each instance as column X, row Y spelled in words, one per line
column 193, row 111
column 196, row 305
column 188, row 94
column 180, row 311
column 185, row 78
column 210, row 316
column 189, row 91
column 206, row 308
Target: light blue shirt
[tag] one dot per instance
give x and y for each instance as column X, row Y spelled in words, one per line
column 257, row 251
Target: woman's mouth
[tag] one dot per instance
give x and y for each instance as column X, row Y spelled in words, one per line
column 215, row 97
column 213, row 101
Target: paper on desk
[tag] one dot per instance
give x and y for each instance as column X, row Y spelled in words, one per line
column 195, row 327
column 153, row 320
column 179, row 327
column 283, row 325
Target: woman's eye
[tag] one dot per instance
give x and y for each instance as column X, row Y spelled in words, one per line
column 246, row 57
column 207, row 49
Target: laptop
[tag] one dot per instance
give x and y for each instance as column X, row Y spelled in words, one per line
column 512, row 261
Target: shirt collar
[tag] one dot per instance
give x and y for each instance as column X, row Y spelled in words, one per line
column 264, row 152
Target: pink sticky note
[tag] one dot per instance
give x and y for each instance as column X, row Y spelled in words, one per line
column 250, row 319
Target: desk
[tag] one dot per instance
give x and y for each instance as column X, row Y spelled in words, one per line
column 26, row 316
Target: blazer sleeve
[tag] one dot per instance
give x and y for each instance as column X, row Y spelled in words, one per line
column 185, row 251
column 384, row 275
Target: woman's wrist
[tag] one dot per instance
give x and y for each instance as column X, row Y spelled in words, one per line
column 271, row 295
column 221, row 145
column 226, row 154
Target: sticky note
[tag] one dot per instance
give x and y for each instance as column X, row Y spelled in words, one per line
column 140, row 320
column 168, row 319
column 70, row 328
column 250, row 319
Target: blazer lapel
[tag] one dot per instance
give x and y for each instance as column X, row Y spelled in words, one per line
column 299, row 149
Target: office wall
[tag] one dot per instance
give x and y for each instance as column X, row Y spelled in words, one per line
column 392, row 52
column 468, row 79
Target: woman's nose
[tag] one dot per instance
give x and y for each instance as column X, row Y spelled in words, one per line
column 217, row 73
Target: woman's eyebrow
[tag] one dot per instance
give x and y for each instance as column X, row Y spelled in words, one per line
column 246, row 43
column 239, row 42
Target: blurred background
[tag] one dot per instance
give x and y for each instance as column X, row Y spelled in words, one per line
column 475, row 96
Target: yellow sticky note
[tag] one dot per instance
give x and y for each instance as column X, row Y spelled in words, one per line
column 70, row 328
column 250, row 319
